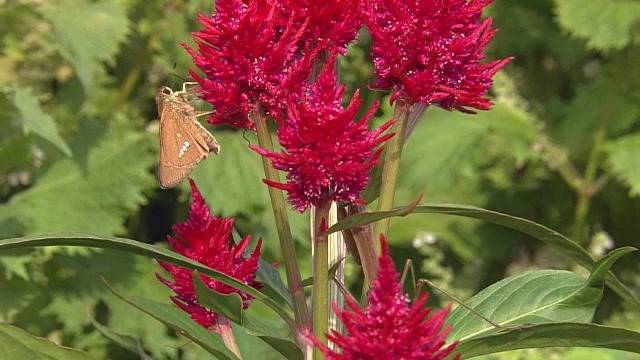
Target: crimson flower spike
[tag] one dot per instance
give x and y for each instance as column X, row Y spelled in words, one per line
column 326, row 154
column 429, row 51
column 389, row 328
column 249, row 58
column 206, row 239
column 330, row 23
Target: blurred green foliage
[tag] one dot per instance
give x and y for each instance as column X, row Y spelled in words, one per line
column 78, row 152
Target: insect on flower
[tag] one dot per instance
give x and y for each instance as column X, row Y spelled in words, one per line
column 183, row 141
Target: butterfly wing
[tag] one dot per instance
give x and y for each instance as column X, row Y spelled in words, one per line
column 182, row 145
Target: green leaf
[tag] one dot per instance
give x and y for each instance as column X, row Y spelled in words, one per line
column 267, row 273
column 173, row 317
column 227, row 305
column 230, row 306
column 15, row 153
column 127, row 342
column 15, row 343
column 255, row 327
column 553, row 335
column 36, row 120
column 569, row 248
column 625, row 162
column 87, row 34
column 604, row 24
column 533, row 297
column 367, row 218
column 529, row 298
column 93, row 192
column 136, row 247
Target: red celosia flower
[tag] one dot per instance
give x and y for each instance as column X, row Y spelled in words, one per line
column 334, row 22
column 389, row 328
column 205, row 239
column 428, row 51
column 326, row 153
column 249, row 59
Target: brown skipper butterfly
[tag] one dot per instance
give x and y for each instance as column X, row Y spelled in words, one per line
column 183, row 141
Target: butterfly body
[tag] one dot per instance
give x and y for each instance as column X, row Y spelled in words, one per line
column 183, row 141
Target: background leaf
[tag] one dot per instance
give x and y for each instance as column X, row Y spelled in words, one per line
column 17, row 344
column 605, row 24
column 87, row 34
column 91, row 192
column 34, row 119
column 625, row 162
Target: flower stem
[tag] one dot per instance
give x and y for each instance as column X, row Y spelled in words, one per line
column 226, row 332
column 587, row 191
column 320, row 302
column 282, row 224
column 391, row 167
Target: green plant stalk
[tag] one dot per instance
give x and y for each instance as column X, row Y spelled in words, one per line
column 391, row 167
column 282, row 224
column 320, row 299
column 588, row 190
column 226, row 333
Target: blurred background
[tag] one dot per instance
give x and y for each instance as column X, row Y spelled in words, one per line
column 79, row 152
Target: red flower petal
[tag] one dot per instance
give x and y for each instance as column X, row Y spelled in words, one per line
column 206, row 239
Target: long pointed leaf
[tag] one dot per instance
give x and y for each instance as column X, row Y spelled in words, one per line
column 553, row 238
column 177, row 319
column 553, row 335
column 136, row 247
column 230, row 306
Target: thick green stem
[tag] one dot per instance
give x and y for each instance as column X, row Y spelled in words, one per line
column 391, row 167
column 282, row 224
column 320, row 302
column 226, row 332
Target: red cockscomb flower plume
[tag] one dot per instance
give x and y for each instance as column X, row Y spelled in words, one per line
column 331, row 22
column 326, row 154
column 206, row 240
column 248, row 59
column 428, row 51
column 389, row 328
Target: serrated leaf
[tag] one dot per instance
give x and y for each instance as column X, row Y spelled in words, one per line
column 533, row 297
column 625, row 162
column 15, row 343
column 93, row 192
column 87, row 34
column 553, row 335
column 604, row 24
column 601, row 104
column 35, row 120
column 173, row 317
